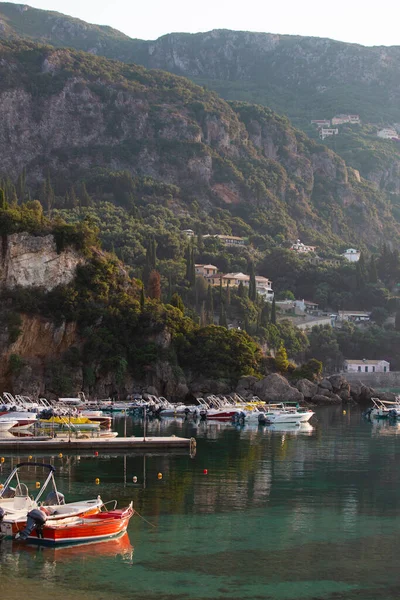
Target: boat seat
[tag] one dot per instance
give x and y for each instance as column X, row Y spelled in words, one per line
column 112, row 514
column 65, row 510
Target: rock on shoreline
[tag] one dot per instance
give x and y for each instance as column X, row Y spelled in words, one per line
column 329, row 391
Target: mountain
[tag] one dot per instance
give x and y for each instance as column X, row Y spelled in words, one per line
column 302, row 77
column 74, row 115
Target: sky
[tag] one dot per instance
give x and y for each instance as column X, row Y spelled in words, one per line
column 368, row 22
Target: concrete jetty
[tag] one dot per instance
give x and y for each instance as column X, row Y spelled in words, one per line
column 110, row 444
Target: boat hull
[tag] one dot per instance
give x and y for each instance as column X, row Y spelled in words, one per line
column 96, row 528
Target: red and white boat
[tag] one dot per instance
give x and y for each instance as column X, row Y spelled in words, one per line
column 74, row 530
column 16, row 502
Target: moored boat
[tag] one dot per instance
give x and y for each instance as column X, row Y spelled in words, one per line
column 101, row 526
column 16, row 502
column 284, row 413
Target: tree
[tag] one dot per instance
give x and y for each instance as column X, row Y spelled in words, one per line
column 265, row 315
column 154, row 287
column 177, row 301
column 273, row 312
column 222, row 316
column 3, row 203
column 85, row 198
column 203, row 318
column 228, row 294
column 361, row 272
column 209, row 306
column 372, row 271
column 252, row 283
column 281, row 359
column 142, row 298
column 241, row 290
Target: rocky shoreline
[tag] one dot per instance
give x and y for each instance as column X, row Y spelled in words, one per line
column 329, row 391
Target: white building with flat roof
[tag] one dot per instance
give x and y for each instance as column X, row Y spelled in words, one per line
column 352, row 255
column 366, row 366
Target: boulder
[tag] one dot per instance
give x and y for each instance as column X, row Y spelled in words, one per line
column 276, row 388
column 325, row 384
column 337, row 382
column 246, row 385
column 355, row 389
column 307, row 388
column 344, row 395
column 320, row 400
column 323, row 392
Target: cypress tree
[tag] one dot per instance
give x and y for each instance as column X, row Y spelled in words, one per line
column 85, row 198
column 241, row 290
column 203, row 318
column 265, row 315
column 209, row 306
column 177, row 301
column 222, row 316
column 281, row 359
column 188, row 258
column 361, row 272
column 252, row 283
column 373, row 273
column 192, row 278
column 3, row 203
column 154, row 287
column 228, row 294
column 273, row 312
column 142, row 298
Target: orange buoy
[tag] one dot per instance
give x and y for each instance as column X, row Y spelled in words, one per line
column 159, row 476
column 97, row 481
column 38, row 485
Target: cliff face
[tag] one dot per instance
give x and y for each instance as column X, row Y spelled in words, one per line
column 34, row 261
column 72, row 113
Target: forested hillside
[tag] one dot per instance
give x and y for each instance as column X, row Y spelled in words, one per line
column 304, row 78
column 76, row 118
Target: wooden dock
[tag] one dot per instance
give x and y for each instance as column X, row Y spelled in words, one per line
column 124, row 444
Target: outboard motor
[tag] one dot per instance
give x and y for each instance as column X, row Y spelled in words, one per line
column 54, row 499
column 35, row 520
column 392, row 414
column 261, row 419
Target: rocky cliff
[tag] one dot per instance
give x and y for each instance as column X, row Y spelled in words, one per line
column 71, row 113
column 29, row 261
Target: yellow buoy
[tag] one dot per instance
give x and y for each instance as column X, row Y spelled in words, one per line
column 29, row 457
column 37, row 485
column 344, row 412
column 2, row 459
column 159, row 476
column 60, row 455
column 97, row 481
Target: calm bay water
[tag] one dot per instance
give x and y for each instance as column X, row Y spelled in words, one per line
column 303, row 514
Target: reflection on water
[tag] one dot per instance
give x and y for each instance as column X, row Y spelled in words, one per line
column 280, row 513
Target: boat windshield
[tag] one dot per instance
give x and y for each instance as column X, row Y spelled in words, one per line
column 38, row 476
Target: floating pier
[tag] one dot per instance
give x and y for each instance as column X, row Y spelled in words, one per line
column 111, row 444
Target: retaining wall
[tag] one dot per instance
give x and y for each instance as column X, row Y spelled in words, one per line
column 376, row 380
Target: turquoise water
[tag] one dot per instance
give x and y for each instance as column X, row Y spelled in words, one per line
column 280, row 515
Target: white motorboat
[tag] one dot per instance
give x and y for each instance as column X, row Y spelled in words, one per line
column 16, row 502
column 284, row 413
column 383, row 409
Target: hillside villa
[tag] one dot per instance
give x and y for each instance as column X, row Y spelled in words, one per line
column 323, row 133
column 366, row 366
column 342, row 119
column 354, row 316
column 388, row 133
column 263, row 284
column 301, row 248
column 352, row 255
column 228, row 240
column 321, row 123
column 205, row 270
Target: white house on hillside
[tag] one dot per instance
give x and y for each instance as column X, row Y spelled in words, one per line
column 205, row 270
column 301, row 248
column 352, row 255
column 366, row 366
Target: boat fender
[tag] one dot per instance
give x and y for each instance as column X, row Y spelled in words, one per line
column 35, row 520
